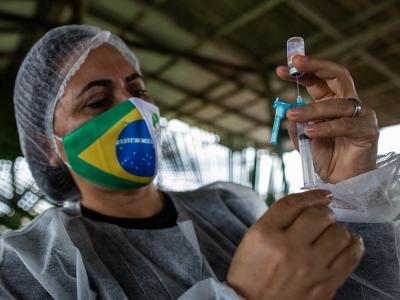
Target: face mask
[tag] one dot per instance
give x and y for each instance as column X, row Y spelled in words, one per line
column 117, row 149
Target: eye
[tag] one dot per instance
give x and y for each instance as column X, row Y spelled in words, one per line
column 141, row 93
column 98, row 103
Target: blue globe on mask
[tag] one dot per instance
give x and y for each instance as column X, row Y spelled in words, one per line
column 135, row 150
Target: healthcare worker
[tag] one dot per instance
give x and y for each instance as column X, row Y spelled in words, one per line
column 89, row 131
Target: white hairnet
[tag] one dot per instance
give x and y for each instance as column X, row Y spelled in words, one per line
column 40, row 83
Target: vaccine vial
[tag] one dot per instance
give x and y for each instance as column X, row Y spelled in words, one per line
column 295, row 46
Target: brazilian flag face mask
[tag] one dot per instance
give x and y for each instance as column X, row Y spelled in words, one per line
column 118, row 148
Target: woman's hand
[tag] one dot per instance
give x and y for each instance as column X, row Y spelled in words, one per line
column 295, row 251
column 342, row 146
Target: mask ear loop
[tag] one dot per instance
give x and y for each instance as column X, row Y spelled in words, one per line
column 55, row 137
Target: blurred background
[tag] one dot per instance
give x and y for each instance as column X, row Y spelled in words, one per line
column 210, row 65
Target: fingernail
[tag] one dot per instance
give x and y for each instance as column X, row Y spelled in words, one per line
column 296, row 111
column 311, row 128
column 301, row 58
column 328, row 194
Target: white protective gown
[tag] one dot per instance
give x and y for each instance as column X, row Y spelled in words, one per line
column 67, row 256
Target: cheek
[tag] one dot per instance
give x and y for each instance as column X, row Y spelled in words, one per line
column 59, row 123
column 65, row 122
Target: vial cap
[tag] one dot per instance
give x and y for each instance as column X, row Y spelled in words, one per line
column 294, row 72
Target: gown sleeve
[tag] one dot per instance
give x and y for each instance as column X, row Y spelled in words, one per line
column 210, row 289
column 369, row 205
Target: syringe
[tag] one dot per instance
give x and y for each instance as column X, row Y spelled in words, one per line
column 304, row 141
column 307, row 164
column 295, row 46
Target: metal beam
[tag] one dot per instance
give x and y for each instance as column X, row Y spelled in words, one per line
column 331, row 30
column 104, row 15
column 42, row 20
column 35, row 27
column 153, row 45
column 246, row 18
column 12, row 29
column 231, row 26
column 239, row 108
column 200, row 96
column 393, row 49
column 207, row 100
column 226, row 29
column 368, row 13
column 235, row 24
column 242, row 20
column 77, row 11
column 328, row 29
column 199, row 59
column 376, row 89
column 381, row 68
column 276, row 57
column 28, row 21
column 355, row 20
column 205, row 123
column 361, row 39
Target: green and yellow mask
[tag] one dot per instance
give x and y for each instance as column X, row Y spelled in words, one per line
column 117, row 149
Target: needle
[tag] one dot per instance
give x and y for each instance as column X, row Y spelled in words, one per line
column 298, row 89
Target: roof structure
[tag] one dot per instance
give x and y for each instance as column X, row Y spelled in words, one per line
column 211, row 63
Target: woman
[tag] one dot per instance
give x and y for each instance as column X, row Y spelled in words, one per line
column 89, row 132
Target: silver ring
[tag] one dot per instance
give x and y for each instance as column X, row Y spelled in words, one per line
column 357, row 106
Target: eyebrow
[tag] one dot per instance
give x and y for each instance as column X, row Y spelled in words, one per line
column 107, row 82
column 100, row 82
column 132, row 77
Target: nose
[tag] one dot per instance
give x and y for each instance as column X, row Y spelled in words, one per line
column 121, row 94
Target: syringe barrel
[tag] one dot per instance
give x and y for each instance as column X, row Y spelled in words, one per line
column 306, row 158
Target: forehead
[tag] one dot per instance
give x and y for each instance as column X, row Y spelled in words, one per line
column 104, row 62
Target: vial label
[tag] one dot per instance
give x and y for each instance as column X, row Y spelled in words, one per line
column 295, row 46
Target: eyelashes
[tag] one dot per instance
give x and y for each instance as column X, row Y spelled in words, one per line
column 106, row 101
column 98, row 104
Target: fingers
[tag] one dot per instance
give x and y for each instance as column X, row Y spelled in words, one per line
column 323, row 69
column 282, row 213
column 317, row 87
column 306, row 79
column 323, row 78
column 337, row 114
column 327, row 109
column 311, row 223
column 339, row 270
column 345, row 263
column 331, row 242
column 345, row 127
